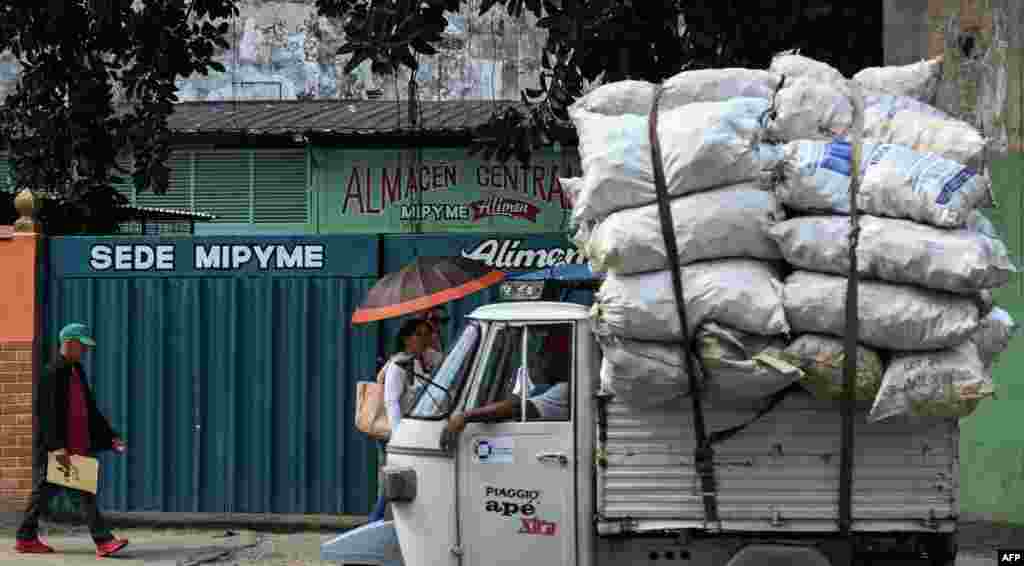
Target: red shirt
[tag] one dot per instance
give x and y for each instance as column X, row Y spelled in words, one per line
column 78, row 416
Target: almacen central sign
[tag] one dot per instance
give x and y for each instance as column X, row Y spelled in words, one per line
column 440, row 190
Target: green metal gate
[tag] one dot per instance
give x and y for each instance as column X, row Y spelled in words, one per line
column 230, row 371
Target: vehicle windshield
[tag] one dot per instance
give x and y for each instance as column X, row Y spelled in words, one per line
column 434, row 399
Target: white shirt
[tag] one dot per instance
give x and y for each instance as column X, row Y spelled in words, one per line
column 396, row 381
column 553, row 403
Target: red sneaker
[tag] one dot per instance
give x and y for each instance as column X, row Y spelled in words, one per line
column 110, row 547
column 34, row 546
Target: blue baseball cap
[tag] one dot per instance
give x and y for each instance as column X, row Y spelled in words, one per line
column 77, row 331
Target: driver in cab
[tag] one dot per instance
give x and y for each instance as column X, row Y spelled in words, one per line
column 552, row 404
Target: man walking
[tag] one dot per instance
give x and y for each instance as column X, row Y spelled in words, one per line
column 66, row 417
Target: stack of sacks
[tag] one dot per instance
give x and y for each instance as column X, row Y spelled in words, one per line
column 925, row 252
column 711, row 130
column 928, row 330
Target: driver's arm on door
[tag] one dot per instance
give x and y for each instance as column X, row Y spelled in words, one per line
column 507, row 409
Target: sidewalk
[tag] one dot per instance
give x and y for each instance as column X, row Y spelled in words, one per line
column 263, row 522
column 168, row 539
column 147, row 547
column 239, row 521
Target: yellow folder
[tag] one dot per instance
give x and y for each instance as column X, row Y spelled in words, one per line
column 83, row 475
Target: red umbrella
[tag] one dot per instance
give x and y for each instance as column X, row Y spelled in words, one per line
column 425, row 283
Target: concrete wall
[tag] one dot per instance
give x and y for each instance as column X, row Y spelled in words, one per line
column 287, row 44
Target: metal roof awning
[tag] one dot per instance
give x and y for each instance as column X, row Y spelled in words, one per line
column 332, row 117
column 155, row 213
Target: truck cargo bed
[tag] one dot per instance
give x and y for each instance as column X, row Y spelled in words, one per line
column 779, row 474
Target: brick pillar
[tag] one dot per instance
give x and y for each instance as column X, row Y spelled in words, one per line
column 19, row 349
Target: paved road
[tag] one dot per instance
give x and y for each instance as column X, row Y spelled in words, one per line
column 209, row 548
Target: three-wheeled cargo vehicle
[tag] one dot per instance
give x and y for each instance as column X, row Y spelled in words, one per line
column 613, row 484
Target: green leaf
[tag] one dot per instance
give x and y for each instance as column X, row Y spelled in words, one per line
column 552, row 6
column 404, row 56
column 548, row 21
column 486, row 5
column 357, row 59
column 347, row 48
column 423, row 47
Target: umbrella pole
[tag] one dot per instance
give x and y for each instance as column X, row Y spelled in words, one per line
column 381, row 340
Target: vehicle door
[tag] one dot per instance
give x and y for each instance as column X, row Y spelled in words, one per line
column 517, row 478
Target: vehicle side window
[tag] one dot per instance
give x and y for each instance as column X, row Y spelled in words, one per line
column 541, row 377
column 435, row 399
column 501, row 367
column 549, row 375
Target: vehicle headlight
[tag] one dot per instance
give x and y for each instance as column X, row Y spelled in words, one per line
column 399, row 485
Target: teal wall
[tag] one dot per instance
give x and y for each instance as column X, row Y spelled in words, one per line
column 992, row 439
column 234, row 387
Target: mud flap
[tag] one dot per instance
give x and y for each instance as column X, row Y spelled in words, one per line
column 375, row 544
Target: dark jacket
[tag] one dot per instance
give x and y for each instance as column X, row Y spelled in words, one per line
column 50, row 410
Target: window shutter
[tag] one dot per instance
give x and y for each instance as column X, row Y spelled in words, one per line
column 280, row 187
column 6, row 173
column 178, row 195
column 126, row 187
column 222, row 184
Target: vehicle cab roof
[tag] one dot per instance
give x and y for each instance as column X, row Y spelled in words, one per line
column 529, row 310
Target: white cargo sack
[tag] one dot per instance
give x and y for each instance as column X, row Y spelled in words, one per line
column 792, row 64
column 643, row 374
column 884, row 106
column 687, row 87
column 994, row 335
column 919, row 81
column 724, row 223
column 742, row 293
column 898, row 251
column 896, row 182
column 572, row 187
column 704, row 145
column 742, row 366
column 895, row 317
column 822, row 358
column 807, row 108
column 948, row 383
column 812, row 110
column 948, row 138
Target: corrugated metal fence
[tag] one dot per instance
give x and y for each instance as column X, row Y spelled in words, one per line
column 233, row 381
column 233, row 387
